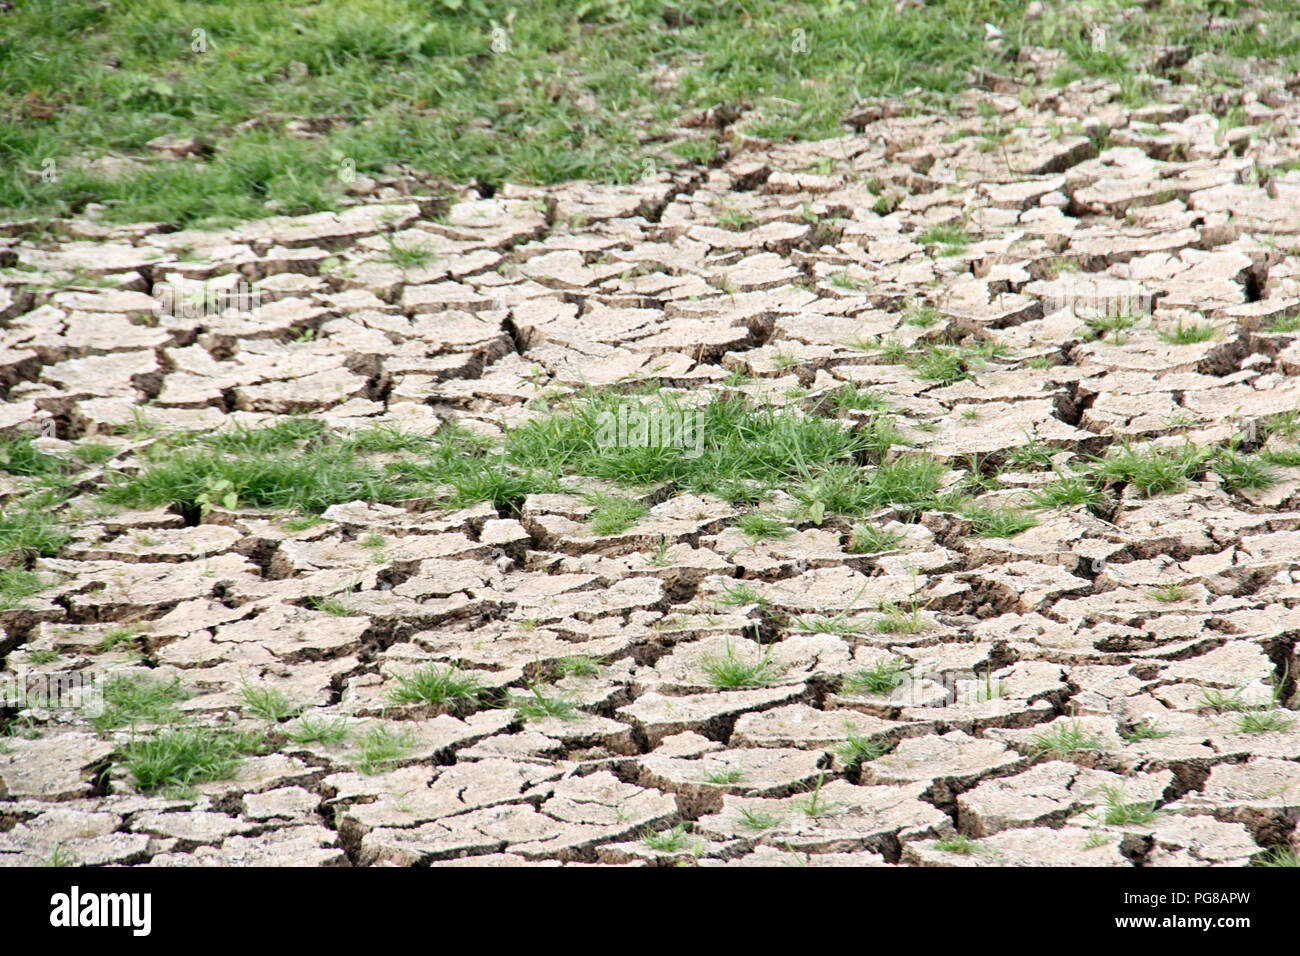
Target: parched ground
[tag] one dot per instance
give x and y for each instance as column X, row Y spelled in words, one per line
column 1034, row 604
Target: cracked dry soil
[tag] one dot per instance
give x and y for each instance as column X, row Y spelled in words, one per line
column 1112, row 685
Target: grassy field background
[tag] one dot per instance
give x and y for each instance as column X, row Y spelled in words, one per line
column 481, row 91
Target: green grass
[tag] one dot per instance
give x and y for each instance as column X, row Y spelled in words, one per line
column 1152, row 469
column 131, row 699
column 176, row 759
column 1118, row 812
column 666, row 841
column 956, row 843
column 883, row 677
column 116, row 636
column 31, row 530
column 538, row 706
column 20, row 457
column 758, row 525
column 1189, row 333
column 579, row 665
column 758, row 820
column 895, row 618
column 269, row 703
column 990, row 522
column 1114, row 325
column 729, row 671
column 312, row 729
column 867, row 539
column 310, row 482
column 1143, row 731
column 745, row 451
column 1070, row 491
column 481, row 90
column 381, row 747
column 951, row 239
column 859, row 399
column 615, row 514
column 859, row 748
column 17, row 584
column 1263, row 721
column 1240, row 470
column 1065, row 741
column 434, row 684
column 1169, row 593
column 1281, row 855
column 741, row 594
column 1034, row 456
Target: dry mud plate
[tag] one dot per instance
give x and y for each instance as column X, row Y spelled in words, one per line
column 922, row 497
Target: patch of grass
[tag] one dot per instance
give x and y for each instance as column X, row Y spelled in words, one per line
column 278, row 436
column 741, row 595
column 820, row 624
column 579, row 665
column 1286, row 323
column 1278, row 856
column 20, row 457
column 1263, row 721
column 17, row 584
column 435, row 684
column 665, row 841
column 1239, row 470
column 313, row 729
column 990, row 522
column 952, row 239
column 269, row 703
column 956, row 843
column 94, row 452
column 381, row 747
column 305, row 481
column 1034, row 456
column 31, row 530
column 333, row 606
column 1169, row 593
column 859, row 748
column 744, row 450
column 179, row 758
column 728, row 671
column 883, row 677
column 815, row 804
column 1114, row 325
column 1221, row 701
column 867, row 539
column 1065, row 741
column 859, row 399
column 1143, row 731
column 1188, row 333
column 758, row 820
column 115, row 636
column 406, row 256
column 538, row 706
column 952, row 363
column 896, row 618
column 1151, row 470
column 129, row 699
column 1069, row 491
column 1118, row 812
column 727, row 775
column 758, row 525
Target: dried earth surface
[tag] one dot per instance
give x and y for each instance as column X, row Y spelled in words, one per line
column 1041, row 609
